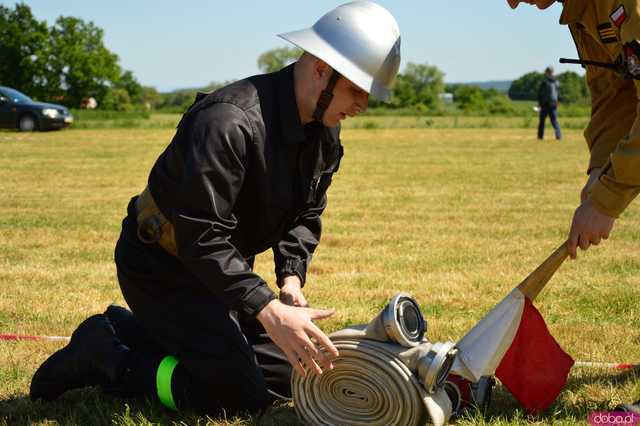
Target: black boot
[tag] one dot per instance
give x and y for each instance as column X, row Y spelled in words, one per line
column 629, row 408
column 130, row 331
column 94, row 356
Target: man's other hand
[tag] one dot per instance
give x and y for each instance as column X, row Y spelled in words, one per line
column 292, row 329
column 589, row 226
column 291, row 292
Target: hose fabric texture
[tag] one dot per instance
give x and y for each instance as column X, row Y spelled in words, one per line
column 371, row 384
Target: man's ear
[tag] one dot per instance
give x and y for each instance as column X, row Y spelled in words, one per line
column 320, row 69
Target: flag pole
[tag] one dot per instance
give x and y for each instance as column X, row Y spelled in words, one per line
column 484, row 346
column 535, row 282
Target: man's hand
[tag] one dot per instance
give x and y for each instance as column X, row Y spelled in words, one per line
column 291, row 292
column 291, row 328
column 589, row 226
column 593, row 177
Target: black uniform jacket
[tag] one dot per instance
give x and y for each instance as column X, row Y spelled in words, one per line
column 242, row 175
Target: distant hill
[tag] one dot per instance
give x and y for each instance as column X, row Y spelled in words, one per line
column 210, row 88
column 501, row 85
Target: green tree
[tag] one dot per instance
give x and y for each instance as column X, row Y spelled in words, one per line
column 573, row 88
column 526, row 87
column 276, row 59
column 469, row 98
column 419, row 86
column 66, row 62
column 177, row 100
column 128, row 82
column 150, row 97
column 403, row 94
column 500, row 105
column 24, row 51
column 84, row 66
column 116, row 99
column 180, row 100
column 475, row 99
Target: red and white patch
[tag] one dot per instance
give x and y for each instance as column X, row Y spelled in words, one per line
column 618, row 16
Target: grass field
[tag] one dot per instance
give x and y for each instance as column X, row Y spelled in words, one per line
column 456, row 217
column 369, row 122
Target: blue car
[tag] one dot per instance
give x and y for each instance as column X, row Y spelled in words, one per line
column 18, row 111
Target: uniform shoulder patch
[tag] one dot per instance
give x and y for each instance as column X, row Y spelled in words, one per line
column 618, row 16
column 607, row 33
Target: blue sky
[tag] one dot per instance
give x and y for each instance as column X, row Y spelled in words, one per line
column 169, row 44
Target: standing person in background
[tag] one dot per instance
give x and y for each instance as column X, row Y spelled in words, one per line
column 548, row 103
column 607, row 36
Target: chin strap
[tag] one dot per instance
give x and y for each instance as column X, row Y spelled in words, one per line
column 326, row 96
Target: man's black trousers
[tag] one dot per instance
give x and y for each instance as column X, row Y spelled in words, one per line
column 175, row 315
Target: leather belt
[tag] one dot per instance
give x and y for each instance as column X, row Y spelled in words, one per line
column 153, row 226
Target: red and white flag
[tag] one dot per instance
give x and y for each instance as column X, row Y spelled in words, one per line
column 513, row 342
column 535, row 368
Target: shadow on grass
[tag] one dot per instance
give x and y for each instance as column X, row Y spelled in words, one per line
column 567, row 409
column 90, row 406
column 611, row 376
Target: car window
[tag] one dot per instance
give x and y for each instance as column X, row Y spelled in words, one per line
column 15, row 96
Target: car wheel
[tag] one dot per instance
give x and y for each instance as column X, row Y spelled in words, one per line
column 27, row 123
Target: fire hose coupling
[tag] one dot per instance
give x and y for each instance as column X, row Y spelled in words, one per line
column 434, row 366
column 401, row 326
column 404, row 324
column 431, row 363
column 403, row 321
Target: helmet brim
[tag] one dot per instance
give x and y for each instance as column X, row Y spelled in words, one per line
column 309, row 41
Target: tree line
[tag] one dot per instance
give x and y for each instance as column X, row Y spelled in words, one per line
column 65, row 62
column 68, row 62
column 421, row 86
column 573, row 87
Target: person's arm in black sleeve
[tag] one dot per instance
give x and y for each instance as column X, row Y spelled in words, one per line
column 293, row 253
column 214, row 168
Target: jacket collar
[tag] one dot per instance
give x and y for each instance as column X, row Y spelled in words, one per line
column 292, row 129
column 572, row 11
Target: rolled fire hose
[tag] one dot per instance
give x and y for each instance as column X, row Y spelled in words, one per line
column 369, row 385
column 386, row 374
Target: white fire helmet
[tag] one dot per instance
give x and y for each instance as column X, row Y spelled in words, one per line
column 360, row 40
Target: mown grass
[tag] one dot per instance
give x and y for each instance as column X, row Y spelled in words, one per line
column 369, row 122
column 98, row 114
column 456, row 217
column 456, row 122
column 127, row 121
